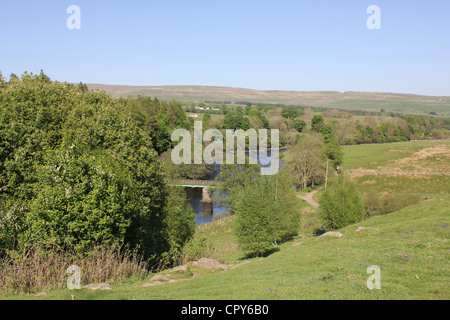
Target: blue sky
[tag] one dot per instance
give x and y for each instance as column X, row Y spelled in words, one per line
column 256, row 44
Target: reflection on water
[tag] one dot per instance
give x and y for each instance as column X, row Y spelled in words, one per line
column 194, row 195
column 194, row 198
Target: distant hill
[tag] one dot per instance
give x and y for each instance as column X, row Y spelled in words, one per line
column 368, row 101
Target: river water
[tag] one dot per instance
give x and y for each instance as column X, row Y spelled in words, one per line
column 194, row 195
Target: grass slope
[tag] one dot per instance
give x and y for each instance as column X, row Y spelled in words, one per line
column 410, row 246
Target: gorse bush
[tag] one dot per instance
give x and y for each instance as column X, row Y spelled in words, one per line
column 341, row 204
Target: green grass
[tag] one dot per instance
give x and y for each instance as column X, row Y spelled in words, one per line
column 373, row 156
column 408, row 107
column 402, row 184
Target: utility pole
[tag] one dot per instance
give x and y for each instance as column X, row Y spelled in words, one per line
column 326, row 174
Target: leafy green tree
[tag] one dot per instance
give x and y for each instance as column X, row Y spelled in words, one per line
column 265, row 213
column 289, row 112
column 239, row 111
column 162, row 141
column 83, row 200
column 248, row 107
column 335, row 153
column 235, row 121
column 180, row 224
column 232, row 178
column 265, row 122
column 317, row 122
column 254, row 112
column 223, row 109
column 299, row 125
column 333, row 149
column 341, row 204
column 185, row 171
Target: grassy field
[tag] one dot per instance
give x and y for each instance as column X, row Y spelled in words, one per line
column 409, row 245
column 415, row 155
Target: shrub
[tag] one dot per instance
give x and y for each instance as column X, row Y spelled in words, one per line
column 197, row 247
column 341, row 204
column 377, row 204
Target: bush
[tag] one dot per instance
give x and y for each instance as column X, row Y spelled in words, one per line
column 196, row 248
column 377, row 204
column 341, row 204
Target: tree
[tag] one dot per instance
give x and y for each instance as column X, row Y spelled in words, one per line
column 289, row 112
column 333, row 149
column 162, row 140
column 341, row 204
column 265, row 122
column 206, row 121
column 265, row 213
column 231, row 179
column 299, row 125
column 317, row 122
column 309, row 163
column 239, row 111
column 335, row 153
column 223, row 109
column 254, row 112
column 248, row 108
column 185, row 171
column 180, row 224
column 236, row 121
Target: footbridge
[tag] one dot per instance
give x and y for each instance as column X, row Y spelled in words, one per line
column 204, row 184
column 192, row 183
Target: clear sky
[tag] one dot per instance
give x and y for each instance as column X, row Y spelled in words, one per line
column 257, row 44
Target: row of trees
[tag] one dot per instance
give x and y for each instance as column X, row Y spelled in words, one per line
column 384, row 129
column 346, row 128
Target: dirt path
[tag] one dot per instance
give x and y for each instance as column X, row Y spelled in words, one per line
column 309, row 198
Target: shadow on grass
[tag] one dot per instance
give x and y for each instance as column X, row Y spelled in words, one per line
column 261, row 255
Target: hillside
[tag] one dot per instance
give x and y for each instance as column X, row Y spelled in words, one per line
column 368, row 101
column 410, row 245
